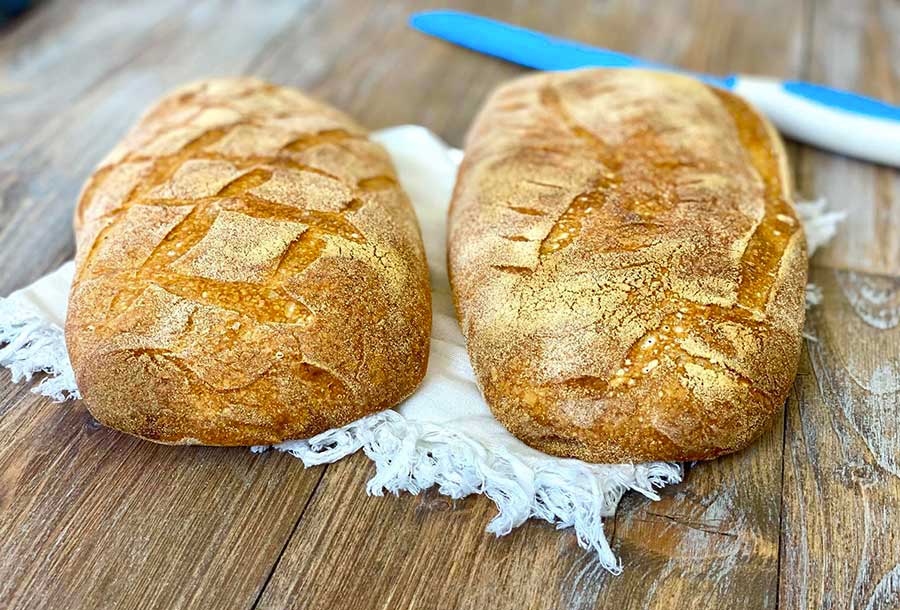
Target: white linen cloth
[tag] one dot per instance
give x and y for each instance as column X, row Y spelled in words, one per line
column 444, row 434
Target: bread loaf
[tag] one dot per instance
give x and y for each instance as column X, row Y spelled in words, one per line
column 248, row 271
column 627, row 265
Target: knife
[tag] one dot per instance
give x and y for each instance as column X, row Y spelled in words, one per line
column 832, row 119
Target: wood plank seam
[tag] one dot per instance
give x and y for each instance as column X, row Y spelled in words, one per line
column 288, row 538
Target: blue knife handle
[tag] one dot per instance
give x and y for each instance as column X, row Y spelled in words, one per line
column 532, row 48
column 843, row 100
column 543, row 52
column 836, row 120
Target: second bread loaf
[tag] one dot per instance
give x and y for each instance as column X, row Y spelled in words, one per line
column 627, row 265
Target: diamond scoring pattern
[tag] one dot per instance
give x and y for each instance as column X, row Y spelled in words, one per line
column 256, row 215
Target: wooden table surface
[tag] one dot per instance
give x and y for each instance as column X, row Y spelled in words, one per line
column 809, row 517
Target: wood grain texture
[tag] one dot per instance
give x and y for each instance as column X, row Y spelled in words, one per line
column 100, row 520
column 840, row 539
column 840, row 536
column 104, row 520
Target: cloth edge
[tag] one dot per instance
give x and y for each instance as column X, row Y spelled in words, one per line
column 413, row 456
column 30, row 344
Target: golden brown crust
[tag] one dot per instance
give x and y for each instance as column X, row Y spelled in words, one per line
column 248, row 271
column 627, row 266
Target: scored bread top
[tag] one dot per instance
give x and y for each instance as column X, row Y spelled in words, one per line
column 627, row 265
column 248, row 271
